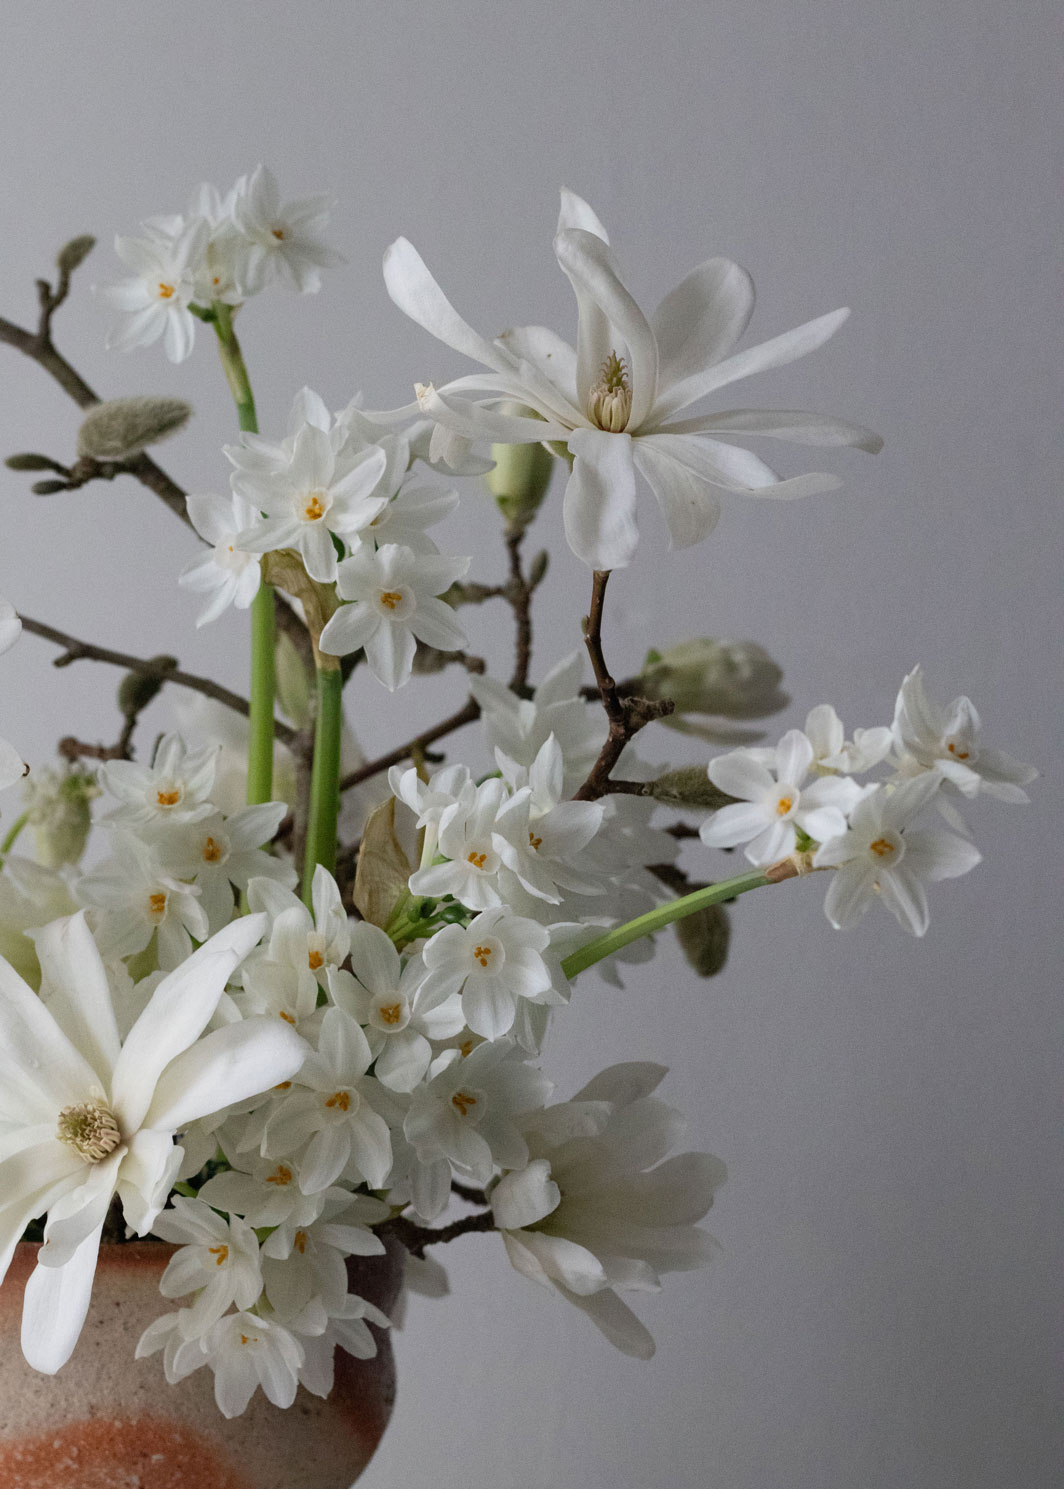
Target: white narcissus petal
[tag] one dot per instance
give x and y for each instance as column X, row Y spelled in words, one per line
column 794, row 755
column 940, row 855
column 374, row 959
column 12, row 765
column 390, row 655
column 10, row 626
column 599, row 503
column 489, row 1006
column 740, row 774
column 849, row 894
column 350, row 628
column 732, row 825
column 435, row 623
column 55, row 1307
column 905, row 898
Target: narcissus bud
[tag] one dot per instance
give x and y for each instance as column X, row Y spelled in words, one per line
column 122, row 427
column 704, row 937
column 521, row 475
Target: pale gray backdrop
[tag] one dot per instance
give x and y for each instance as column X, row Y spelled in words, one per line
column 882, row 1309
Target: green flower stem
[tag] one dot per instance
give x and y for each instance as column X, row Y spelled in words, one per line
column 12, row 833
column 654, row 920
column 263, row 683
column 324, row 777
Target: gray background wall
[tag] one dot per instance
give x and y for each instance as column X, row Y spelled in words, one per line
column 882, row 1309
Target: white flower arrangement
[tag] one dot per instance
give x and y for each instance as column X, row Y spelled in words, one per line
column 274, row 1082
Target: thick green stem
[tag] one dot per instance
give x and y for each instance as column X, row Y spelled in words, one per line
column 263, row 683
column 654, row 920
column 324, row 778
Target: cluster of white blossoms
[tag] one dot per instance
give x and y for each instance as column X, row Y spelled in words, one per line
column 802, row 795
column 225, row 249
column 276, row 1086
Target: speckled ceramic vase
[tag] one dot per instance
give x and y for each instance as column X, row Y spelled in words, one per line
column 109, row 1421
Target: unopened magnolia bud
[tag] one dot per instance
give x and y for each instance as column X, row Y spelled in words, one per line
column 732, row 679
column 49, row 488
column 57, row 805
column 537, row 570
column 30, row 461
column 137, row 689
column 75, row 252
column 704, row 937
column 521, row 474
column 123, row 426
column 689, row 786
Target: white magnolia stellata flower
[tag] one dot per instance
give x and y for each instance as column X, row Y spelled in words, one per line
column 176, row 787
column 316, row 494
column 596, row 1208
column 166, row 265
column 286, row 235
column 12, row 765
column 393, row 594
column 946, row 740
column 217, row 1259
column 228, row 573
column 399, row 1011
column 772, row 806
column 614, row 399
column 85, row 1115
column 880, row 855
column 493, row 962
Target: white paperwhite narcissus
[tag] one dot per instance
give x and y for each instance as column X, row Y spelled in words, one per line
column 393, row 604
column 466, row 1114
column 398, row 1011
column 217, row 1259
column 614, row 399
column 86, row 1115
column 266, row 1192
column 287, row 236
column 133, row 896
column 244, row 1350
column 348, row 1328
column 174, row 788
column 945, row 739
column 219, row 853
column 774, row 802
column 12, row 765
column 304, row 1265
column 471, row 834
column 832, row 750
column 596, row 1208
column 410, row 512
column 309, row 944
column 314, row 496
column 493, row 962
column 520, row 727
column 229, row 574
column 166, row 266
column 331, row 1112
column 881, row 856
column 546, row 853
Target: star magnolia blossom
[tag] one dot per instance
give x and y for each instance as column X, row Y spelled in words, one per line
column 85, row 1116
column 614, row 399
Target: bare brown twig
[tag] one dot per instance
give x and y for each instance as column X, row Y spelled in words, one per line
column 469, row 711
column 416, row 1237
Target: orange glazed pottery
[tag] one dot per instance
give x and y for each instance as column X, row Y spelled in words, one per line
column 109, row 1421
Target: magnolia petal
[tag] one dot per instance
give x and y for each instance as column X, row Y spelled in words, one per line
column 79, row 995
column 55, row 1306
column 793, row 424
column 599, row 503
column 687, row 500
column 473, row 421
column 417, row 294
column 575, row 212
column 520, row 1199
column 41, row 1071
column 616, row 1320
column 700, row 321
column 553, row 358
column 232, row 1064
column 10, row 626
column 590, row 268
column 769, row 354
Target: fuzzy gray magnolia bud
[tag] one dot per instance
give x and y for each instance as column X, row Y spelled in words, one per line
column 537, row 569
column 74, row 253
column 122, row 427
column 49, row 488
column 689, row 786
column 137, row 689
column 521, row 475
column 722, row 679
column 704, row 937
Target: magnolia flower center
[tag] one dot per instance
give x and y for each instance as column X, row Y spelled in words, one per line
column 157, row 906
column 165, row 291
column 90, row 1129
column 220, row 1254
column 609, row 404
column 282, row 1176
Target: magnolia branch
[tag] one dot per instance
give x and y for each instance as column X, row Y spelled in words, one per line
column 76, row 651
column 416, row 1237
column 626, row 715
column 413, row 747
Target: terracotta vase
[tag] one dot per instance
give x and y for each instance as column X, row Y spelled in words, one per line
column 109, row 1421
